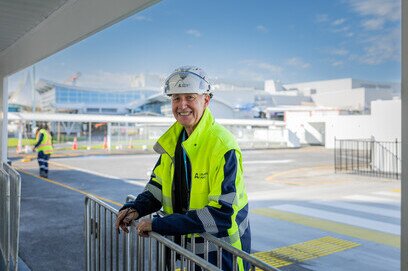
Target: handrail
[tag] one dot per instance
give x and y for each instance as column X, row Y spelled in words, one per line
column 102, row 251
column 253, row 261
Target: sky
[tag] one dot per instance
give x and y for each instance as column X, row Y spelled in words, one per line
column 237, row 42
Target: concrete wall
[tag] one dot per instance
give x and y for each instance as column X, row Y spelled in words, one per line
column 378, row 94
column 323, row 86
column 353, row 99
column 384, row 124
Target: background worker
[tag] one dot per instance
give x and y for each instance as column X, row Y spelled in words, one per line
column 198, row 179
column 44, row 148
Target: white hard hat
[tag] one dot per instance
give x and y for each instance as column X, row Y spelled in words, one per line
column 187, row 79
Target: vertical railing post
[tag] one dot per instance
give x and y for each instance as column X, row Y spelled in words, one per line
column 358, row 156
column 396, row 159
column 335, row 156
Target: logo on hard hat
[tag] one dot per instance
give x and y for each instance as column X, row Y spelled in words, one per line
column 183, row 85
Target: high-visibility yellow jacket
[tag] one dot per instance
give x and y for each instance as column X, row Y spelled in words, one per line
column 218, row 202
column 46, row 143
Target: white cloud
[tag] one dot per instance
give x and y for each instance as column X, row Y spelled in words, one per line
column 337, row 63
column 373, row 24
column 194, row 33
column 338, row 22
column 263, row 66
column 382, row 48
column 103, row 79
column 118, row 80
column 339, row 52
column 297, row 62
column 262, row 29
column 387, row 9
column 252, row 71
column 344, row 29
column 377, row 12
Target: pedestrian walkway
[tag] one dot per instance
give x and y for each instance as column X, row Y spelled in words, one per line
column 373, row 216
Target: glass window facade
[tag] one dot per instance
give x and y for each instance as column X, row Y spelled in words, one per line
column 68, row 95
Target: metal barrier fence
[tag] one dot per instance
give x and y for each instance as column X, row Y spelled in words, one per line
column 10, row 194
column 141, row 135
column 106, row 249
column 15, row 206
column 368, row 157
column 5, row 220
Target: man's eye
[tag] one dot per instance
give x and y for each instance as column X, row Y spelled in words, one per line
column 190, row 98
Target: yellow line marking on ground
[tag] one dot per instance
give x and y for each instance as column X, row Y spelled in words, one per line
column 301, row 252
column 397, row 190
column 70, row 187
column 272, row 177
column 64, row 166
column 326, row 225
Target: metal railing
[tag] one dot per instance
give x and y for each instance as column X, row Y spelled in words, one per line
column 5, row 220
column 219, row 245
column 106, row 249
column 10, row 195
column 368, row 157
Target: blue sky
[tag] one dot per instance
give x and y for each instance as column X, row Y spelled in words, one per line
column 239, row 42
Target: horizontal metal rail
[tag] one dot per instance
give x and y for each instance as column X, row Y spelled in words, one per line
column 106, row 250
column 219, row 246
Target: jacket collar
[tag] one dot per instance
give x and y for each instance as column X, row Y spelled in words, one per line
column 168, row 141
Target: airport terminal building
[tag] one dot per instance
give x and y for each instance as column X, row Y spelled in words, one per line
column 61, row 98
column 347, row 96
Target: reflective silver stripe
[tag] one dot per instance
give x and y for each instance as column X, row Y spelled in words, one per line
column 231, row 238
column 208, row 221
column 228, row 198
column 156, row 192
column 43, row 166
column 199, row 247
column 158, row 148
column 243, row 226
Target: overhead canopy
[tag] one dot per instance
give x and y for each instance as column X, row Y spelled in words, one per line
column 33, row 30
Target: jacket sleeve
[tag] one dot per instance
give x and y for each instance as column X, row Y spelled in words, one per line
column 215, row 218
column 149, row 201
column 40, row 139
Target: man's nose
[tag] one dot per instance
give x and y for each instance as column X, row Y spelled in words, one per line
column 183, row 103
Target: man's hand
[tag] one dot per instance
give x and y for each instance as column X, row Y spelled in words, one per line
column 125, row 218
column 144, row 227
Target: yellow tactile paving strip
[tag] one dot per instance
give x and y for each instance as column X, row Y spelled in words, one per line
column 326, row 225
column 304, row 251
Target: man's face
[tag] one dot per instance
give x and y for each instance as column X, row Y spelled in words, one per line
column 188, row 109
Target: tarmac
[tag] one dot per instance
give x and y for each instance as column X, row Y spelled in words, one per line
column 52, row 209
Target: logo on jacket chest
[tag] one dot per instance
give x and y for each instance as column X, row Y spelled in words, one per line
column 201, row 176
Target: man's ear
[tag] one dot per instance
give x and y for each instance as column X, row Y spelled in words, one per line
column 207, row 99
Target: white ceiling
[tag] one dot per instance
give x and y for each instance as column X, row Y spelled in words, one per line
column 17, row 17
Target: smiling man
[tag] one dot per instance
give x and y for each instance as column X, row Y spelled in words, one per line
column 198, row 179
